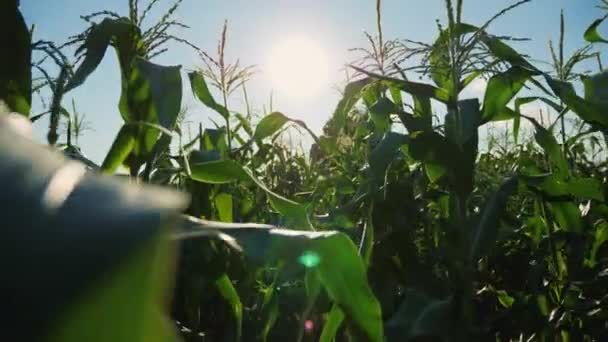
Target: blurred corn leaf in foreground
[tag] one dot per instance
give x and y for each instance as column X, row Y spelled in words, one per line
column 85, row 258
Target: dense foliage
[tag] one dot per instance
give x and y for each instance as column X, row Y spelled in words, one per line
column 397, row 225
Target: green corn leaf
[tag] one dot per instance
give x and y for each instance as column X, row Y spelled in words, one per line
column 335, row 318
column 269, row 125
column 396, row 96
column 245, row 124
column 554, row 186
column 418, row 89
column 553, row 150
column 413, row 88
column 201, row 91
column 485, row 233
column 383, row 154
column 567, row 215
column 230, row 295
column 501, row 89
column 121, row 148
column 505, row 53
column 380, row 113
column 600, row 237
column 519, row 102
column 461, row 129
column 439, row 59
column 332, row 324
column 592, row 35
column 270, row 309
column 587, row 111
column 215, row 140
column 332, row 255
column 228, row 171
column 423, row 109
column 16, row 68
column 596, row 89
column 151, row 94
column 352, row 94
column 223, row 204
column 100, row 246
column 218, row 172
column 504, row 299
column 434, row 151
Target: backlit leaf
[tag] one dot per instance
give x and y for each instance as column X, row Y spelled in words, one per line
column 269, row 125
column 201, row 91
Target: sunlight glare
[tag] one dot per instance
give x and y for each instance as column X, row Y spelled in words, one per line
column 298, row 67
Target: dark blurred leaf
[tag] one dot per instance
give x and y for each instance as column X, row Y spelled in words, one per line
column 15, row 68
column 419, row 316
column 98, row 245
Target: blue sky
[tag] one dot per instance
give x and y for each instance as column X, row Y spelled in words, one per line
column 255, row 26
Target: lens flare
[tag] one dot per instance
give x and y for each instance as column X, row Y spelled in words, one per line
column 309, row 326
column 310, row 259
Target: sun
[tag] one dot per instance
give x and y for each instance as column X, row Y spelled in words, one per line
column 298, row 67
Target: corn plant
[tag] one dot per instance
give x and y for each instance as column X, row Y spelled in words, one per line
column 396, row 226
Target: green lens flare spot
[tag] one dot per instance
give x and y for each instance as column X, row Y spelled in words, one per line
column 309, row 259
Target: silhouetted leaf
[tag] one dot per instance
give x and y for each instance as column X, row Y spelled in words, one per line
column 122, row 31
column 16, row 68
